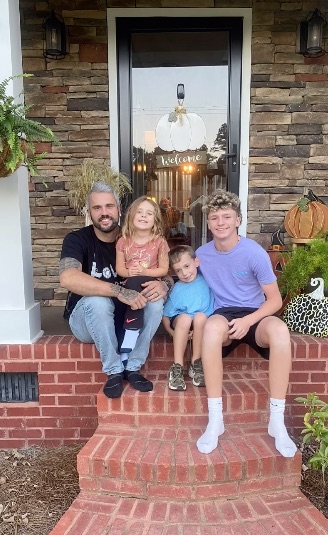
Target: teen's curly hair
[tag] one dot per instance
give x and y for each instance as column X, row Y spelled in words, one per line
column 128, row 228
column 221, row 198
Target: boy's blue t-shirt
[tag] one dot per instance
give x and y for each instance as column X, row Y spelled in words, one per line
column 236, row 276
column 189, row 298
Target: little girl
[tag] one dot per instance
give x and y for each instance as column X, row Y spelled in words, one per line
column 141, row 256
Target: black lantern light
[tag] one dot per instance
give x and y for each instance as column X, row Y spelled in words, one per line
column 55, row 42
column 311, row 29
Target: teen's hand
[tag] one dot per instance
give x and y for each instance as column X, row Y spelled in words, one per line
column 132, row 298
column 238, row 328
column 154, row 290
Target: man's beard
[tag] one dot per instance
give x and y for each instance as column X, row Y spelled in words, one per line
column 107, row 229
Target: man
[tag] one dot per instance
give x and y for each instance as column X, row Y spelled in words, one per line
column 239, row 272
column 96, row 301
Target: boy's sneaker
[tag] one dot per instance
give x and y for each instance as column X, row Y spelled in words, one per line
column 196, row 373
column 176, row 380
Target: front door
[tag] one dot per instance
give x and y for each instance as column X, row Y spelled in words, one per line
column 179, row 84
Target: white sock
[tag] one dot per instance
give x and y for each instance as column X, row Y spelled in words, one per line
column 130, row 340
column 215, row 427
column 124, row 358
column 277, row 428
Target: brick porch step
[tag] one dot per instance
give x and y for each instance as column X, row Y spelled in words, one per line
column 141, row 473
column 145, row 444
column 243, row 358
column 285, row 513
column 245, row 401
column 166, row 464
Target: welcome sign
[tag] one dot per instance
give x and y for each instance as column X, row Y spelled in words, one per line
column 181, row 158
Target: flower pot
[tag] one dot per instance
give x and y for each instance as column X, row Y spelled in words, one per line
column 4, row 156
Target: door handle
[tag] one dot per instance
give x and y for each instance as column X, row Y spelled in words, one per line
column 233, row 156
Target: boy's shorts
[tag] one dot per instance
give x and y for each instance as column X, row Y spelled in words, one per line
column 231, row 313
column 172, row 322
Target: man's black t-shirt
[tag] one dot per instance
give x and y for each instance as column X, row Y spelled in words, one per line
column 98, row 259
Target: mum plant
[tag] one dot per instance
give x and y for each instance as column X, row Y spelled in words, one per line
column 18, row 134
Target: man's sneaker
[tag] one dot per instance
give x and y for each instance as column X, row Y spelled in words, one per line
column 196, row 373
column 176, row 380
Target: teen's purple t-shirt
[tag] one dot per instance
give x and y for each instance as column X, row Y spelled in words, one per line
column 236, row 277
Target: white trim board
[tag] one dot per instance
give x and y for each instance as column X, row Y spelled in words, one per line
column 246, row 14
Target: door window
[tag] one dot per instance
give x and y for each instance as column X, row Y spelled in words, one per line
column 180, row 123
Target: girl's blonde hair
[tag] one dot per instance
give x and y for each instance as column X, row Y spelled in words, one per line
column 128, row 228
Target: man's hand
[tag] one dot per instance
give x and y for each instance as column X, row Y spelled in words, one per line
column 132, row 298
column 238, row 328
column 154, row 290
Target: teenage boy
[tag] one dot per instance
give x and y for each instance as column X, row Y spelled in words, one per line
column 239, row 272
column 185, row 313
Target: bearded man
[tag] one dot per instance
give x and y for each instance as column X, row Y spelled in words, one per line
column 96, row 300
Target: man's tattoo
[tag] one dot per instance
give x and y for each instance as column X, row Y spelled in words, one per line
column 68, row 263
column 117, row 289
column 129, row 295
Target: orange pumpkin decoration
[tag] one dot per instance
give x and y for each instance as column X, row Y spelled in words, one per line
column 307, row 218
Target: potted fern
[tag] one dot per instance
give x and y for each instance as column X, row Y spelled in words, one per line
column 18, row 134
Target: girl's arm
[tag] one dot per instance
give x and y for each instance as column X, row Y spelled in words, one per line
column 120, row 264
column 163, row 263
column 161, row 271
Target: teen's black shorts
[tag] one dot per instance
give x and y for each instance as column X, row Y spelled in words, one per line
column 231, row 313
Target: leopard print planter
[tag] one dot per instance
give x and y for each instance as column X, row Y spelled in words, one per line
column 306, row 315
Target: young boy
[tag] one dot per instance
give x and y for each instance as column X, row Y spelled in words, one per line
column 188, row 306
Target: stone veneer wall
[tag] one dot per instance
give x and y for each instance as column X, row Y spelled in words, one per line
column 289, row 116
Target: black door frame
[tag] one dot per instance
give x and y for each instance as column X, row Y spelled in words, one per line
column 125, row 26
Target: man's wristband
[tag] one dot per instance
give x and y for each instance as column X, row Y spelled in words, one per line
column 169, row 284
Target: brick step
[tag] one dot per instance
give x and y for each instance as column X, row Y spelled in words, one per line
column 148, row 463
column 245, row 401
column 145, row 444
column 160, row 357
column 284, row 513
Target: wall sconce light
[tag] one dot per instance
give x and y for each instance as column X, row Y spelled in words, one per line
column 311, row 45
column 55, row 41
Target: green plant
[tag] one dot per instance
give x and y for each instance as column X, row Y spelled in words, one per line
column 18, row 134
column 90, row 172
column 315, row 422
column 301, row 264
